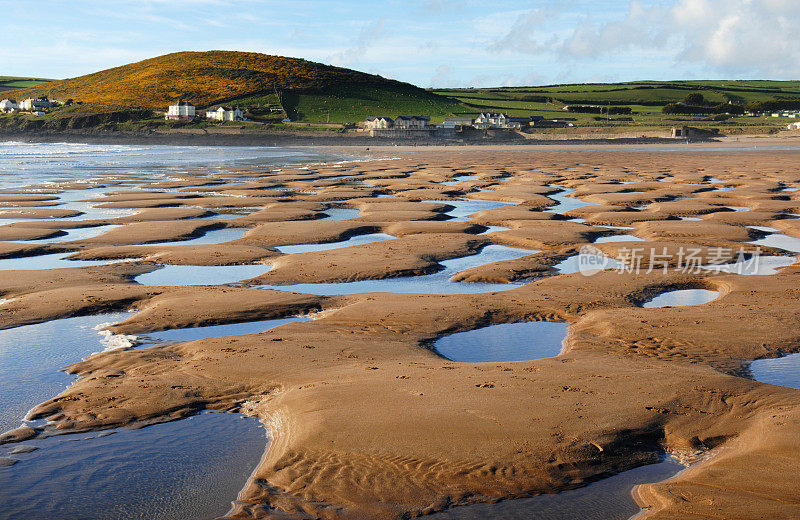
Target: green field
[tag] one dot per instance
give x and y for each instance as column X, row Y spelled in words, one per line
column 645, row 98
column 13, row 82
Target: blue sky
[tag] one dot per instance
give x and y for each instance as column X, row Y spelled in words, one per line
column 440, row 43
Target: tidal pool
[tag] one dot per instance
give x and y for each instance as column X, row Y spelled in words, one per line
column 782, row 371
column 505, row 342
column 587, row 263
column 192, row 468
column 356, row 240
column 781, row 241
column 463, row 208
column 565, row 203
column 201, row 274
column 435, row 283
column 32, row 355
column 682, row 298
column 618, row 238
column 211, row 236
column 459, row 180
column 606, row 499
column 49, row 261
column 341, row 213
column 215, row 331
column 75, row 234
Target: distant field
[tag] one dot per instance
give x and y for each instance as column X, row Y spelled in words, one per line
column 12, row 82
column 645, row 98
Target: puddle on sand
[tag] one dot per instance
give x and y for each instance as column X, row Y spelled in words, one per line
column 192, row 468
column 459, row 180
column 341, row 213
column 356, row 240
column 50, row 261
column 32, row 355
column 762, row 265
column 436, row 283
column 212, row 236
column 681, row 298
column 606, row 499
column 504, row 342
column 201, row 274
column 618, row 238
column 463, row 208
column 565, row 203
column 591, row 263
column 782, row 371
column 74, row 234
column 215, row 331
column 781, row 241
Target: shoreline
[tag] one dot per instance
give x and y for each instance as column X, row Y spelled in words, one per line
column 308, row 139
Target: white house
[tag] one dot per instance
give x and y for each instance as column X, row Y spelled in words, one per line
column 456, row 122
column 491, row 120
column 35, row 105
column 223, row 113
column 180, row 110
column 8, row 105
column 378, row 123
column 411, row 122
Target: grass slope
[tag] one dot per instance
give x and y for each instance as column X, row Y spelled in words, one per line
column 15, row 83
column 645, row 98
column 310, row 90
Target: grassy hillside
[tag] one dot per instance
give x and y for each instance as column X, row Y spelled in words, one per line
column 14, row 83
column 641, row 93
column 645, row 98
column 309, row 90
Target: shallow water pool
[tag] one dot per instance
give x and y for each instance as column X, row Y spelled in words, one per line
column 618, row 238
column 215, row 331
column 201, row 274
column 781, row 241
column 341, row 213
column 356, row 240
column 783, row 371
column 32, row 355
column 49, row 261
column 682, row 298
column 435, row 283
column 606, row 499
column 192, row 468
column 463, row 208
column 565, row 203
column 212, row 236
column 504, row 342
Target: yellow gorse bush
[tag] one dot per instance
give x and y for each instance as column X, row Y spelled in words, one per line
column 203, row 78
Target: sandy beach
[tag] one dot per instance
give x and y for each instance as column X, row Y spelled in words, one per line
column 367, row 420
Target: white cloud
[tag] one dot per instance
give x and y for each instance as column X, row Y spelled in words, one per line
column 749, row 37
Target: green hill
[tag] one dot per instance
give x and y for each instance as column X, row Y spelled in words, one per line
column 307, row 90
column 15, row 83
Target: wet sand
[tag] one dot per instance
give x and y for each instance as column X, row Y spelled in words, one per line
column 366, row 419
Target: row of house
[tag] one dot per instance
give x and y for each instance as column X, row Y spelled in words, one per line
column 34, row 105
column 401, row 123
column 183, row 110
column 484, row 121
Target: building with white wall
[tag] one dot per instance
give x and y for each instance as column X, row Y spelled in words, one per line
column 8, row 105
column 180, row 110
column 223, row 113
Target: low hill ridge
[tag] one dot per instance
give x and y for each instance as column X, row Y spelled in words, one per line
column 206, row 78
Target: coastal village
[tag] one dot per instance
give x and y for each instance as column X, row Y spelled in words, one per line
column 413, row 127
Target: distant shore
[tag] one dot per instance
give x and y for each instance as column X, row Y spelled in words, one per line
column 230, row 137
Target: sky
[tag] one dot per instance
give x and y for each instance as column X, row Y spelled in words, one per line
column 431, row 43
